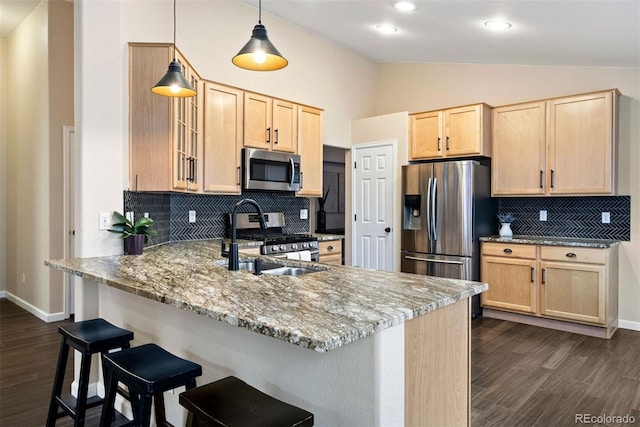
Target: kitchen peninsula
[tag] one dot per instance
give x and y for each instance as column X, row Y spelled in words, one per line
column 353, row 346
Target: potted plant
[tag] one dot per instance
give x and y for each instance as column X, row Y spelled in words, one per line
column 135, row 235
column 505, row 224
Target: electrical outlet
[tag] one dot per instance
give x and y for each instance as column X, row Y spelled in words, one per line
column 146, row 214
column 129, row 216
column 606, row 217
column 543, row 215
column 192, row 216
column 304, row 213
column 24, row 279
column 104, row 220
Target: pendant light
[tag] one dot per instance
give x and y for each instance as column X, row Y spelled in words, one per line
column 259, row 54
column 174, row 83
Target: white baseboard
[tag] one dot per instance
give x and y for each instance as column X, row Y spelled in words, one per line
column 628, row 324
column 47, row 317
column 3, row 294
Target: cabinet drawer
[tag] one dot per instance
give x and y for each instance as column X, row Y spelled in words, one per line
column 330, row 247
column 571, row 254
column 509, row 250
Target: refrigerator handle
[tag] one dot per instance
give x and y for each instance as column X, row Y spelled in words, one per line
column 434, row 220
column 429, row 209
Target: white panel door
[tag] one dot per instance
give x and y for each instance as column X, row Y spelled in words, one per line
column 374, row 169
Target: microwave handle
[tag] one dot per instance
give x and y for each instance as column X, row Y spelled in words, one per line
column 293, row 171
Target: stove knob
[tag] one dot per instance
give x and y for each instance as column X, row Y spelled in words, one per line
column 283, row 247
column 274, row 248
column 294, row 246
column 314, row 244
column 305, row 245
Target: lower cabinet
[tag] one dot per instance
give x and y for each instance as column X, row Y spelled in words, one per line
column 557, row 282
column 330, row 251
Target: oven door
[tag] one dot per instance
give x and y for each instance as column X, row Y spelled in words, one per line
column 271, row 171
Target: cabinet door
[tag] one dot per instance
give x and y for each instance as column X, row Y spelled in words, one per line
column 518, row 151
column 194, row 136
column 285, row 124
column 257, row 121
column 222, row 138
column 426, row 135
column 463, row 131
column 512, row 283
column 581, row 144
column 310, row 150
column 330, row 252
column 573, row 292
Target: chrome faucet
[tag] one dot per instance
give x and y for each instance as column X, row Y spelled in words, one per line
column 233, row 250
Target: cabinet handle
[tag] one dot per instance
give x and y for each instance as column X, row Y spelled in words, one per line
column 544, row 276
column 447, row 142
column 268, row 135
column 533, row 275
column 507, row 251
column 439, row 140
column 301, row 179
column 276, row 136
column 552, row 176
column 541, row 180
column 329, row 248
column 571, row 255
column 238, row 168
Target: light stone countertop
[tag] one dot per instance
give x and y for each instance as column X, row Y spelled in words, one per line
column 552, row 241
column 320, row 311
column 325, row 236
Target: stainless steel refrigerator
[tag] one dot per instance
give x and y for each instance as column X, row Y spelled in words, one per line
column 447, row 207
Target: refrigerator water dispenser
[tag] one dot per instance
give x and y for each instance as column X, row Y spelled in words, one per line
column 411, row 212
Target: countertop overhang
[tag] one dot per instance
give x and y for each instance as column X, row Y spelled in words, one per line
column 321, row 311
column 553, row 241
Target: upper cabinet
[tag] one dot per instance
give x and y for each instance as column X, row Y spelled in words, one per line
column 310, row 150
column 561, row 146
column 223, row 108
column 165, row 134
column 455, row 132
column 270, row 124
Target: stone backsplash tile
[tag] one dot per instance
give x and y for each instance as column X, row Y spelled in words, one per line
column 575, row 217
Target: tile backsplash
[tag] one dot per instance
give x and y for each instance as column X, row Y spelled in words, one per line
column 575, row 217
column 170, row 211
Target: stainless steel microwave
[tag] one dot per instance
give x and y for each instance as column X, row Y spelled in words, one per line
column 270, row 170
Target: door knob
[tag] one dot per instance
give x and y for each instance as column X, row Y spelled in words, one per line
column 387, row 230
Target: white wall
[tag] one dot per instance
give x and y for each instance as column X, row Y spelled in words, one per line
column 3, row 166
column 423, row 87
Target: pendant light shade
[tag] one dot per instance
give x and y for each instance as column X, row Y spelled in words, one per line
column 259, row 54
column 174, row 83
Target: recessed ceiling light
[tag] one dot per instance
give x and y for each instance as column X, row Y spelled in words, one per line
column 405, row 6
column 497, row 25
column 386, row 28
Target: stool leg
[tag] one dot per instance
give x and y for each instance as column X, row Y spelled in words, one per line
column 111, row 385
column 83, row 389
column 159, row 409
column 142, row 410
column 57, row 383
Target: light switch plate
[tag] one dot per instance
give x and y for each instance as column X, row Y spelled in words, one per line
column 606, row 217
column 543, row 215
column 304, row 214
column 192, row 216
column 104, row 221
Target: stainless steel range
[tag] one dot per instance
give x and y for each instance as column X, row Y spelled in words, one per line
column 275, row 242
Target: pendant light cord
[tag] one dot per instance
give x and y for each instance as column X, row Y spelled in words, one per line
column 174, row 30
column 260, row 12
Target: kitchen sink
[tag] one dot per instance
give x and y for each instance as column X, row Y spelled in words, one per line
column 271, row 268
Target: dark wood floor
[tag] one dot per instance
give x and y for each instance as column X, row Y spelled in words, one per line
column 521, row 375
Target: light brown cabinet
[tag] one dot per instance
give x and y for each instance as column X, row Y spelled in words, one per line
column 270, row 124
column 455, row 132
column 330, row 251
column 223, row 112
column 310, row 150
column 165, row 134
column 557, row 282
column 560, row 146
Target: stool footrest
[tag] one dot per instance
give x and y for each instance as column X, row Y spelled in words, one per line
column 68, row 404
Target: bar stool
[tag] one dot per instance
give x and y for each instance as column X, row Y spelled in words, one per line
column 230, row 402
column 88, row 337
column 147, row 371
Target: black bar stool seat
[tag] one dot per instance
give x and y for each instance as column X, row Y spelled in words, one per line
column 88, row 337
column 231, row 402
column 147, row 371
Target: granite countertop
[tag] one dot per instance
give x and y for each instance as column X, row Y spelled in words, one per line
column 328, row 236
column 552, row 241
column 320, row 311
